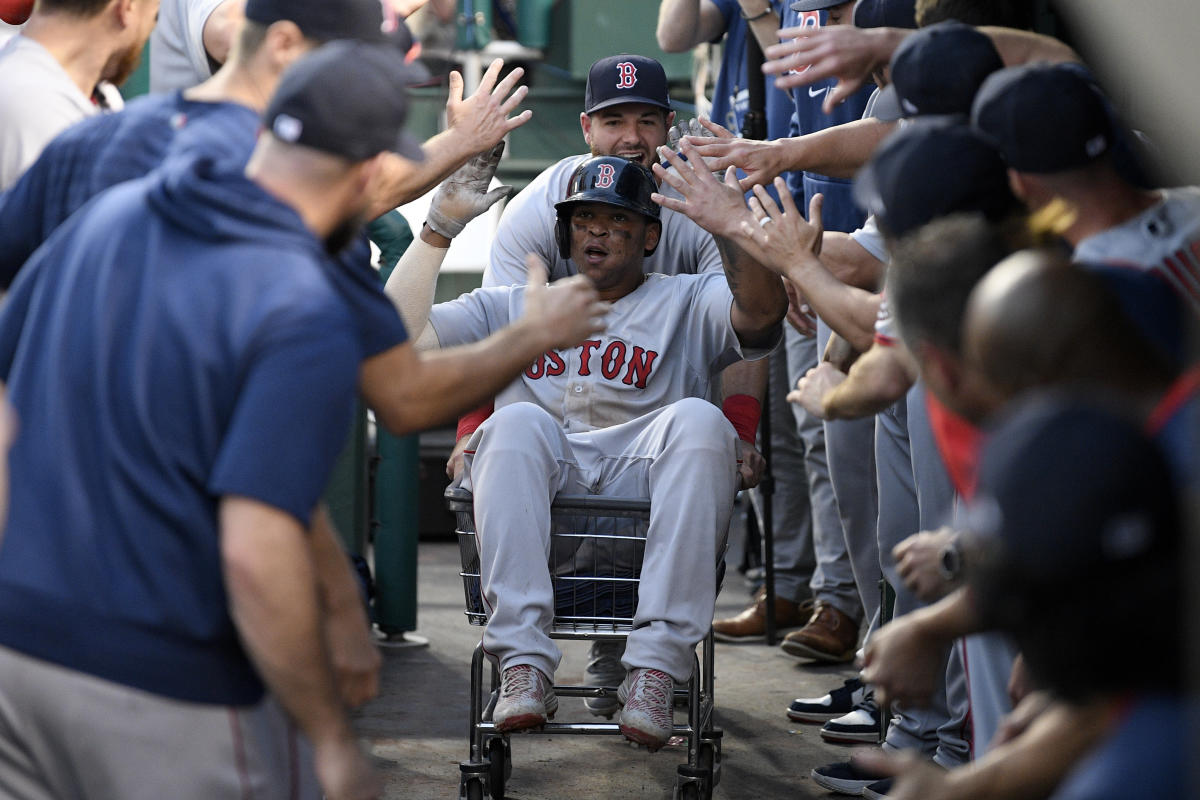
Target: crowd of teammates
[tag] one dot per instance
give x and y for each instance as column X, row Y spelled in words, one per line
column 976, row 303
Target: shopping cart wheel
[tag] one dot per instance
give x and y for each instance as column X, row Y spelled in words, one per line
column 710, row 756
column 499, row 765
column 472, row 780
column 691, row 784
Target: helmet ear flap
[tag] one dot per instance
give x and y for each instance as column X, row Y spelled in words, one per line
column 562, row 235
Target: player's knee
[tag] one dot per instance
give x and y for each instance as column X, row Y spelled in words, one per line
column 517, row 422
column 701, row 423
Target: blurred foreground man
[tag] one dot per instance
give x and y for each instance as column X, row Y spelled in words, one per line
column 184, row 372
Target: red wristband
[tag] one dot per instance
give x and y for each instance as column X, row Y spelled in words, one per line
column 468, row 423
column 743, row 412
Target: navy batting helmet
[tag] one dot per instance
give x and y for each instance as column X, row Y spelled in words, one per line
column 610, row 180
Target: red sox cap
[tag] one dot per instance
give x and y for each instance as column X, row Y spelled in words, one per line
column 346, row 98
column 329, row 20
column 933, row 167
column 625, row 79
column 1044, row 117
column 938, row 70
column 885, row 14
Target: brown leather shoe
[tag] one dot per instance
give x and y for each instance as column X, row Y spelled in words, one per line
column 752, row 623
column 829, row 636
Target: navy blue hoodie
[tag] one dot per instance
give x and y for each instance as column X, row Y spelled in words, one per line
column 177, row 340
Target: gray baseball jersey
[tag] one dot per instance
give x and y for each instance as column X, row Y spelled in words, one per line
column 1164, row 239
column 664, row 342
column 178, row 59
column 528, row 227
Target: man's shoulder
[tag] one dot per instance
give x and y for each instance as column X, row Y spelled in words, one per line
column 551, row 183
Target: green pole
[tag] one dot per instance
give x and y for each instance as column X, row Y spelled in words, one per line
column 397, row 479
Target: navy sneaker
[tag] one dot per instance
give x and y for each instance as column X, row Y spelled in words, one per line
column 837, row 703
column 862, row 724
column 843, row 777
column 878, row 790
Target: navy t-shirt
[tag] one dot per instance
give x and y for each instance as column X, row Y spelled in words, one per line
column 176, row 341
column 731, row 97
column 109, row 149
column 839, row 212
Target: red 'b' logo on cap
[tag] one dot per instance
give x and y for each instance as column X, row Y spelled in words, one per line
column 626, row 75
column 605, row 179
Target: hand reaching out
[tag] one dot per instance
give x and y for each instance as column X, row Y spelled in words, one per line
column 813, row 54
column 720, row 149
column 799, row 315
column 464, row 195
column 777, row 235
column 811, row 389
column 482, row 119
column 718, row 207
column 565, row 312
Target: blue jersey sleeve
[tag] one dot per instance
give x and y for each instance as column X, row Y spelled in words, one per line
column 308, row 364
column 472, row 316
column 376, row 320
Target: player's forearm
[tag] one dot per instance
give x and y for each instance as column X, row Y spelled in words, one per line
column 403, row 181
column 339, row 590
column 759, row 298
column 838, row 151
column 1024, row 47
column 874, row 383
column 413, row 282
column 411, row 392
column 849, row 311
column 273, row 599
column 1033, row 764
column 220, row 28
column 850, row 262
column 683, row 24
column 745, row 377
column 950, row 618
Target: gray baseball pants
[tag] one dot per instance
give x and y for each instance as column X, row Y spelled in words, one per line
column 66, row 735
column 681, row 456
column 915, row 493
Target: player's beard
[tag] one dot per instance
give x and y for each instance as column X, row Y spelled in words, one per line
column 121, row 65
column 346, row 231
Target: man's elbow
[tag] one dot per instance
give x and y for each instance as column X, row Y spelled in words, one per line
column 673, row 39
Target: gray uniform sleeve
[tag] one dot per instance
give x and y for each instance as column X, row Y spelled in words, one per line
column 871, row 240
column 710, row 328
column 471, row 317
column 527, row 226
column 178, row 59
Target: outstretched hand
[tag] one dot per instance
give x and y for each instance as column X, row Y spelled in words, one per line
column 840, row 51
column 464, row 195
column 720, row 149
column 777, row 234
column 483, row 118
column 903, row 660
column 717, row 207
column 811, row 389
column 565, row 312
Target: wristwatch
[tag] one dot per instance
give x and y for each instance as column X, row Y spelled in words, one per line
column 950, row 561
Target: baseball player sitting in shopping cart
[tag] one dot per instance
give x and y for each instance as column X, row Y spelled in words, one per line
column 623, row 414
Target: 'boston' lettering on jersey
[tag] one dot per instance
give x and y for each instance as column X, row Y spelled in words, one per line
column 630, row 365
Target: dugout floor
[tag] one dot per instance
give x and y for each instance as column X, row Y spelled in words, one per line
column 416, row 729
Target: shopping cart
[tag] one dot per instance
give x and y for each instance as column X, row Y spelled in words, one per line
column 595, row 565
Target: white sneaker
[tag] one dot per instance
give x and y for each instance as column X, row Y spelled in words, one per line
column 526, row 699
column 647, row 714
column 604, row 668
